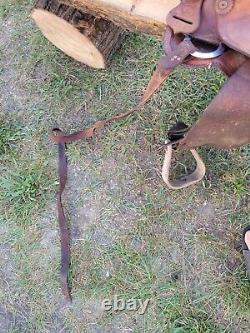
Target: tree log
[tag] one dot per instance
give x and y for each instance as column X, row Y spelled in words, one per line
column 146, row 16
column 90, row 31
column 85, row 38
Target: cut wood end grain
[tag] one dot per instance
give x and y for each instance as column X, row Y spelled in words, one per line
column 68, row 38
column 92, row 31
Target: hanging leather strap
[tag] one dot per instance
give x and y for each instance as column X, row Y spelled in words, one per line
column 61, row 139
column 159, row 76
column 64, row 233
column 164, row 68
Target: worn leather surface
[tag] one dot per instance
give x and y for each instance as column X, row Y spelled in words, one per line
column 184, row 181
column 226, row 121
column 228, row 62
column 214, row 21
column 207, row 30
column 234, row 27
column 64, row 233
column 160, row 75
column 186, row 17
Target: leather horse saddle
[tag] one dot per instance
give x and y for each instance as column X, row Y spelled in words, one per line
column 200, row 24
column 198, row 33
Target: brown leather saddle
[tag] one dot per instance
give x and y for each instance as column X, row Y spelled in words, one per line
column 198, row 33
column 225, row 123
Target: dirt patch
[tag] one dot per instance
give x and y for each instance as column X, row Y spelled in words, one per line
column 92, row 195
column 6, row 319
column 12, row 98
column 122, row 324
column 7, row 266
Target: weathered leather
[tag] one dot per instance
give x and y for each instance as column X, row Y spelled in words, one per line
column 64, row 233
column 226, row 121
column 214, row 21
column 234, row 26
column 184, row 181
column 160, row 75
column 207, row 30
column 185, row 18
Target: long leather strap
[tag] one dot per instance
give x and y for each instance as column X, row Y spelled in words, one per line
column 157, row 79
column 61, row 139
column 164, row 68
column 64, row 233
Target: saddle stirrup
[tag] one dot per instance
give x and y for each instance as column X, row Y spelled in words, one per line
column 196, row 176
column 210, row 52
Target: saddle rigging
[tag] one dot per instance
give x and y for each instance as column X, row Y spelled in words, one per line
column 198, row 33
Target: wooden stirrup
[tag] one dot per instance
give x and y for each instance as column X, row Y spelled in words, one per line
column 184, row 181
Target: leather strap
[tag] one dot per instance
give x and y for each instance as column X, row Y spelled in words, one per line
column 164, row 68
column 64, row 233
column 159, row 76
column 61, row 139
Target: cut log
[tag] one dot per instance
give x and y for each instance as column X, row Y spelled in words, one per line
column 83, row 37
column 146, row 16
column 92, row 31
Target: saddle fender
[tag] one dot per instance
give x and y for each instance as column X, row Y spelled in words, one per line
column 225, row 123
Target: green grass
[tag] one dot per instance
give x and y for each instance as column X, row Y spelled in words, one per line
column 9, row 135
column 24, row 183
column 236, row 296
column 8, row 5
column 130, row 235
column 24, row 189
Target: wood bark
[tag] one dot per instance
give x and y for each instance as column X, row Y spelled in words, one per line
column 91, row 31
column 146, row 16
column 80, row 35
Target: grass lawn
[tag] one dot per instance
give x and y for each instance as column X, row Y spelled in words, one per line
column 131, row 236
